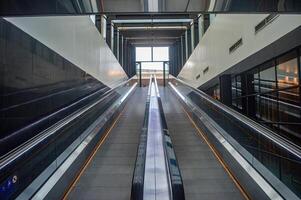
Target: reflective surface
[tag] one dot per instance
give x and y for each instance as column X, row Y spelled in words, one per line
column 50, row 144
column 258, row 149
column 156, row 183
column 270, row 94
column 36, row 82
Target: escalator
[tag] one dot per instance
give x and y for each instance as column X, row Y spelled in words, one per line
column 263, row 164
column 43, row 165
column 110, row 172
column 204, row 175
column 170, row 143
column 135, row 159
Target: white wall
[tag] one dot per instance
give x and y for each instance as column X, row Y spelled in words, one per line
column 213, row 48
column 77, row 39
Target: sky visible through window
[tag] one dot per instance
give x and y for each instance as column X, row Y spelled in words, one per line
column 146, row 55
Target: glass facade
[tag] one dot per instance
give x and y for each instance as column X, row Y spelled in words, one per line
column 270, row 94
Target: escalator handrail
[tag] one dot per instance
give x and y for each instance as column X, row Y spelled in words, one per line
column 14, row 154
column 139, row 170
column 176, row 185
column 275, row 138
column 175, row 177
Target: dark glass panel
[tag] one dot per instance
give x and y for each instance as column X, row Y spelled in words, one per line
column 267, row 77
column 287, row 70
column 254, row 76
column 233, row 88
column 216, row 92
column 258, row 111
column 289, row 113
column 238, row 86
column 268, row 108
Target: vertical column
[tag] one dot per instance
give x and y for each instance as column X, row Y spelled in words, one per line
column 186, row 45
column 112, row 37
column 211, row 18
column 206, row 22
column 248, row 86
column 122, row 50
column 299, row 73
column 117, row 45
column 103, row 26
column 180, row 60
column 182, row 51
column 225, row 89
column 201, row 26
column 140, row 74
column 192, row 36
column 164, row 74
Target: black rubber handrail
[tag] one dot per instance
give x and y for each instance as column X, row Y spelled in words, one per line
column 138, row 176
column 176, row 185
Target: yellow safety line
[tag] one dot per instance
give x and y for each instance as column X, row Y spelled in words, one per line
column 241, row 189
column 89, row 159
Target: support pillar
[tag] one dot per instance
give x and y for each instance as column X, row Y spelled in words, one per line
column 103, row 22
column 186, row 45
column 192, row 36
column 112, row 37
column 225, row 89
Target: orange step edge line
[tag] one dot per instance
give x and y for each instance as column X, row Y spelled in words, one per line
column 216, row 154
column 89, row 159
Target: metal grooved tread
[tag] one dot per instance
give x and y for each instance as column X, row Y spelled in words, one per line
column 203, row 176
column 109, row 175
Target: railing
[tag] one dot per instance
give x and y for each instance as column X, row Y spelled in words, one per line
column 24, row 167
column 155, row 145
column 138, row 176
column 275, row 160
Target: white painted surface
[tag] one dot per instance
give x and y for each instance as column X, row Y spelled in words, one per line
column 153, row 6
column 213, row 48
column 76, row 39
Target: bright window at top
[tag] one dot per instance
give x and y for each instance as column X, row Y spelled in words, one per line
column 150, row 54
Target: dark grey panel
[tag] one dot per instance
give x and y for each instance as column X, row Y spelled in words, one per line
column 35, row 82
